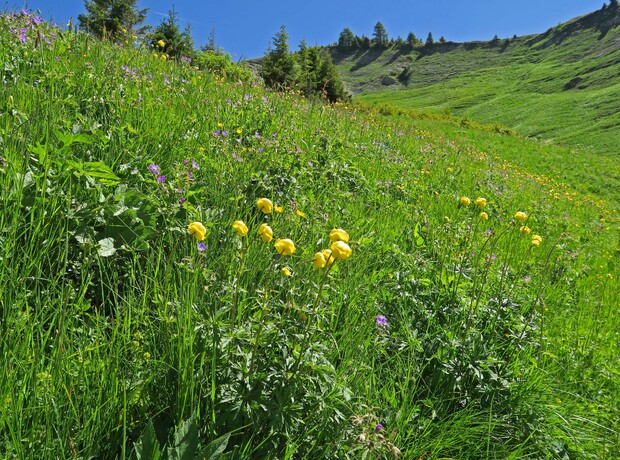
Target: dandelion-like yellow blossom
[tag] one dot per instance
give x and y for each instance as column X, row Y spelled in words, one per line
column 286, row 271
column 300, row 213
column 163, row 57
column 484, row 216
column 327, row 253
column 341, row 250
column 319, row 260
column 265, row 232
column 481, row 202
column 161, row 43
column 465, row 201
column 536, row 240
column 220, row 124
column 521, row 216
column 525, row 230
column 240, row 228
column 285, row 246
column 338, row 234
column 265, row 205
column 278, row 209
column 198, row 230
column 239, row 130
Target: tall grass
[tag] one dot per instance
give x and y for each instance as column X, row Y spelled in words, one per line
column 444, row 335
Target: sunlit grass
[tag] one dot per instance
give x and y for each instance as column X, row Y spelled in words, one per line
column 196, row 266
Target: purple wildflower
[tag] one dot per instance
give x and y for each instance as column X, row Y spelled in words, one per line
column 185, row 162
column 161, row 179
column 224, row 133
column 153, row 168
column 382, row 321
column 216, row 132
column 23, row 38
column 526, row 278
column 182, row 200
column 195, row 165
column 379, row 427
column 201, row 246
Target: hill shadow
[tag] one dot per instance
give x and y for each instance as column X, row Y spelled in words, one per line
column 367, row 58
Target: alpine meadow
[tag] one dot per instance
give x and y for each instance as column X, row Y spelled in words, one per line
column 202, row 259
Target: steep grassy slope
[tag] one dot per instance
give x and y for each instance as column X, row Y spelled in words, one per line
column 562, row 85
column 471, row 312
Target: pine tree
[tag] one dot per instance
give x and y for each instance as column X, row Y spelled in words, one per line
column 412, row 40
column 613, row 4
column 112, row 18
column 176, row 43
column 330, row 80
column 430, row 40
column 380, row 35
column 278, row 66
column 346, row 39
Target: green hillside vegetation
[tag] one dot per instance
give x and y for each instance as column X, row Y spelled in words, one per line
column 195, row 266
column 561, row 85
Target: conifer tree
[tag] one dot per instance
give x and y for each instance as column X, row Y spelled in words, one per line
column 346, row 39
column 380, row 35
column 176, row 43
column 112, row 18
column 412, row 40
column 430, row 40
column 278, row 66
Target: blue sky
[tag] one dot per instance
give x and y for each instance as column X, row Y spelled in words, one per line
column 245, row 28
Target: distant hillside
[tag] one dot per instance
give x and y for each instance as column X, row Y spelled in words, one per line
column 562, row 85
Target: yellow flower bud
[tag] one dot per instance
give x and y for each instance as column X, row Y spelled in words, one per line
column 240, row 228
column 278, row 209
column 265, row 205
column 521, row 216
column 465, row 201
column 285, row 246
column 327, row 253
column 300, row 213
column 341, row 250
column 198, row 230
column 525, row 230
column 265, row 232
column 161, row 43
column 319, row 260
column 481, row 202
column 338, row 234
column 484, row 216
column 286, row 271
column 536, row 240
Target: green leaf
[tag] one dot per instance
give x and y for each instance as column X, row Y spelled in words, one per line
column 215, row 449
column 101, row 172
column 147, row 447
column 185, row 440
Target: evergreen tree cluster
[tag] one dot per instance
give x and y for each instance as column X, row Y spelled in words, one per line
column 348, row 41
column 310, row 70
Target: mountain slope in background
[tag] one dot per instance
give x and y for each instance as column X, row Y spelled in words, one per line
column 562, row 85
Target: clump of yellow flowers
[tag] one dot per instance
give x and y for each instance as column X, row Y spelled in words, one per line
column 536, row 240
column 339, row 250
column 198, row 230
column 265, row 205
column 240, row 227
column 285, row 246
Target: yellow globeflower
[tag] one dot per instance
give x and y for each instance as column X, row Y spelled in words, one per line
column 319, row 260
column 265, row 232
column 338, row 234
column 300, row 213
column 484, row 216
column 327, row 253
column 285, row 246
column 521, row 216
column 465, row 201
column 240, row 228
column 265, row 205
column 278, row 209
column 481, row 202
column 161, row 43
column 286, row 271
column 341, row 250
column 163, row 57
column 536, row 240
column 525, row 230
column 198, row 230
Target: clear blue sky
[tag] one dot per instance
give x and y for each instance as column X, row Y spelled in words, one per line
column 245, row 28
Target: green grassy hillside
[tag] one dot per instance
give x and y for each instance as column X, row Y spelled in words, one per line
column 192, row 266
column 561, row 85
